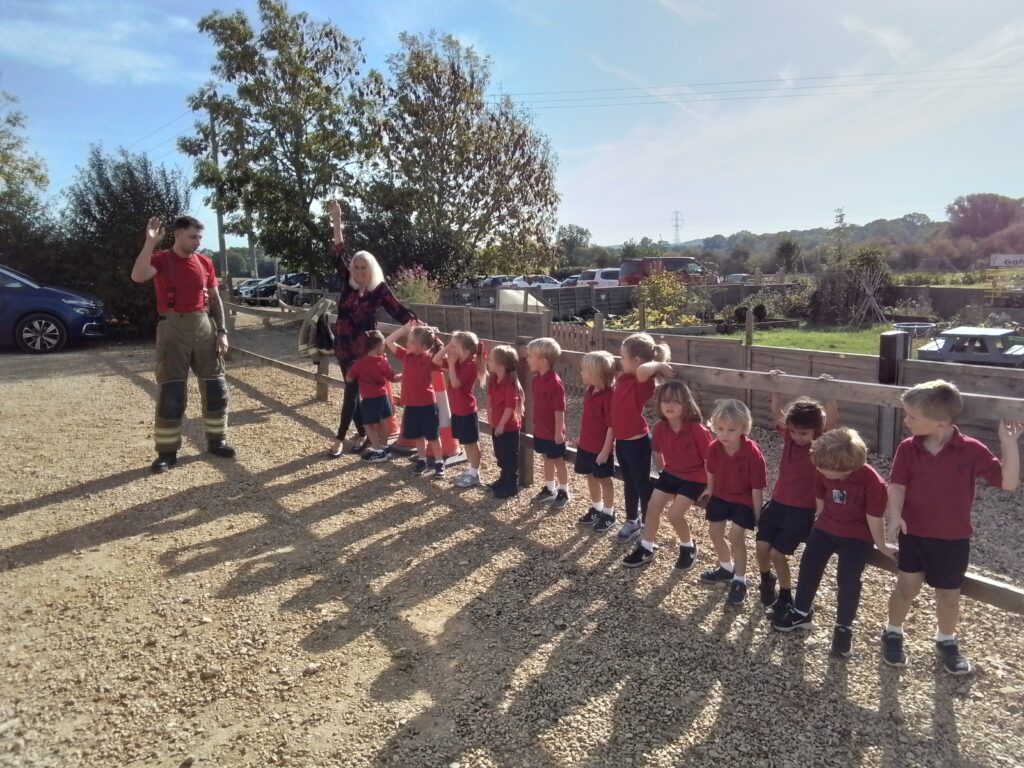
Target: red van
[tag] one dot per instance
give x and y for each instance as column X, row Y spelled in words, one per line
column 689, row 270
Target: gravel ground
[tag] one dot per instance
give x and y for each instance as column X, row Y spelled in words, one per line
column 284, row 609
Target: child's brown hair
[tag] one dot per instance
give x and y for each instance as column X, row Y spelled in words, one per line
column 806, row 413
column 642, row 346
column 374, row 342
column 677, row 392
column 734, row 412
column 425, row 336
column 471, row 343
column 508, row 358
column 839, row 450
column 937, row 400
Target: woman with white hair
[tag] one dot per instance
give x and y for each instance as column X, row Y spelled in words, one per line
column 363, row 292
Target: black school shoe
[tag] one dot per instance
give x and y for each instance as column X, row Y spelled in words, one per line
column 766, row 590
column 892, row 649
column 778, row 609
column 842, row 641
column 717, row 575
column 506, row 490
column 421, row 467
column 687, row 557
column 589, row 518
column 737, row 592
column 220, row 448
column 640, row 556
column 164, row 462
column 792, row 620
column 954, row 662
column 604, row 523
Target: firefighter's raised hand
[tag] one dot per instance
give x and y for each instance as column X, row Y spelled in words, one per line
column 154, row 231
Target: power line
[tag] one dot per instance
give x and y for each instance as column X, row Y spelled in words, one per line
column 157, row 130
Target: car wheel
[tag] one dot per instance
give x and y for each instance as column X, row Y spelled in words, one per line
column 40, row 333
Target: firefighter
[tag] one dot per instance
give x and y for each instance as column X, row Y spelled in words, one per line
column 191, row 334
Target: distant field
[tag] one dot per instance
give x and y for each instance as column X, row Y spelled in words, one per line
column 862, row 341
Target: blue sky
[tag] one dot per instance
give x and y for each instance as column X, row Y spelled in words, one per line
column 740, row 114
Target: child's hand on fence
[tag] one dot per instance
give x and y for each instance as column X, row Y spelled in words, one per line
column 825, row 377
column 1009, row 431
column 776, row 372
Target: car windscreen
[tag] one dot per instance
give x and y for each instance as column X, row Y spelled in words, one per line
column 22, row 276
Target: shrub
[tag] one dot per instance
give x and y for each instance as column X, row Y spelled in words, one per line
column 668, row 302
column 415, row 285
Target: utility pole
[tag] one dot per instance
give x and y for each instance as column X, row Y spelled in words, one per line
column 677, row 223
column 215, row 157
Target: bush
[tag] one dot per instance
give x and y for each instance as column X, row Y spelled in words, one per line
column 920, row 278
column 668, row 302
column 415, row 285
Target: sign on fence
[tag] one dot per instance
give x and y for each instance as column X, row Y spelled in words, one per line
column 1008, row 259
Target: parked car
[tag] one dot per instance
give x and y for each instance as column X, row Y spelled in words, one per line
column 495, row 281
column 263, row 292
column 571, row 281
column 237, row 290
column 738, row 277
column 981, row 346
column 544, row 282
column 687, row 268
column 41, row 319
column 600, row 278
column 295, row 298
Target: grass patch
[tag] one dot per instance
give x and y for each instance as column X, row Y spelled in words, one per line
column 861, row 341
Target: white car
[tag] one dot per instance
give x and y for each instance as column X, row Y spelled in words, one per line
column 599, row 278
column 544, row 282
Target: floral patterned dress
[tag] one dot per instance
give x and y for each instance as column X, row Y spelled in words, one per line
column 357, row 312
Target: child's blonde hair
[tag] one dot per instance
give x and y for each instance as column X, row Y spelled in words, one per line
column 839, row 450
column 602, row 365
column 545, row 347
column 642, row 346
column 938, row 400
column 425, row 336
column 677, row 392
column 733, row 412
column 508, row 358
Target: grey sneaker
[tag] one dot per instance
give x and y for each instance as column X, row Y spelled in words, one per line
column 954, row 662
column 604, row 522
column 892, row 649
column 467, row 480
column 589, row 518
column 376, row 457
column 629, row 531
column 545, row 496
column 561, row 499
column 737, row 592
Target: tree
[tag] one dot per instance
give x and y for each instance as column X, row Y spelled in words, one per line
column 572, row 237
column 108, row 205
column 981, row 215
column 787, row 252
column 839, row 239
column 289, row 114
column 466, row 172
column 645, row 249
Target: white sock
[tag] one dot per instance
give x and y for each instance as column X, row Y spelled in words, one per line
column 562, row 487
column 550, row 485
column 648, row 545
column 741, row 579
column 687, row 544
column 474, row 471
column 597, row 505
column 891, row 628
column 728, row 566
column 941, row 638
column 609, row 511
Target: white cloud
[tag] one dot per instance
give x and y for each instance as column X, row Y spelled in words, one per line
column 98, row 43
column 892, row 41
column 525, row 11
column 689, row 11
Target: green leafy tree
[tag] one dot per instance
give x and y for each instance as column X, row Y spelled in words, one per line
column 571, row 238
column 288, row 109
column 466, row 172
column 787, row 252
column 980, row 215
column 108, row 204
column 839, row 239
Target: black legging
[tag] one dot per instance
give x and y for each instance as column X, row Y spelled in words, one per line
column 853, row 556
column 350, row 407
column 635, row 460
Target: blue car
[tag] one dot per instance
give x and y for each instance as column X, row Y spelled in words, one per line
column 41, row 319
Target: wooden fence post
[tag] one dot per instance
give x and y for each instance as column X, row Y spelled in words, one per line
column 643, row 316
column 525, row 451
column 597, row 337
column 323, row 370
column 893, row 349
column 546, row 327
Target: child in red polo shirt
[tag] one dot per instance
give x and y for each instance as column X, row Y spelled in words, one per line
column 372, row 371
column 642, row 360
column 505, row 414
column 737, row 478
column 931, row 491
column 419, row 417
column 681, row 443
column 849, row 501
column 549, row 421
column 596, row 441
column 787, row 519
column 463, row 358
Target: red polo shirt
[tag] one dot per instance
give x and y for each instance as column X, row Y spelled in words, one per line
column 849, row 502
column 739, row 475
column 797, row 474
column 940, row 488
column 417, row 376
column 461, row 395
column 628, row 401
column 684, row 451
column 548, row 399
column 597, row 409
column 181, row 284
column 372, row 372
column 501, row 395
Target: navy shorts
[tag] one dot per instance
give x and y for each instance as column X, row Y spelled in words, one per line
column 784, row 527
column 943, row 561
column 466, row 429
column 549, row 448
column 420, row 421
column 718, row 511
column 677, row 486
column 586, row 464
column 374, row 410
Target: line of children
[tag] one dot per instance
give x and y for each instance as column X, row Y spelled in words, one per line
column 373, row 372
column 549, row 421
column 597, row 439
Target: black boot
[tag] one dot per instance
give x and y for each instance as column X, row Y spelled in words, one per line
column 220, row 448
column 164, row 462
